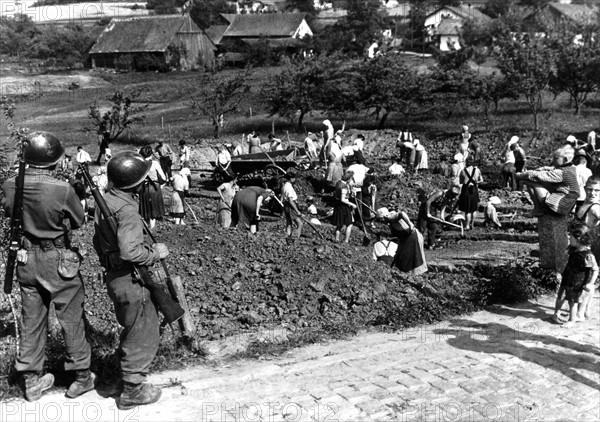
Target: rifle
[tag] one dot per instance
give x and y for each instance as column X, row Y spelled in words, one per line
column 16, row 220
column 167, row 305
column 186, row 324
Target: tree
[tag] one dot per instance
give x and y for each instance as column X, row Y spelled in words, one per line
column 302, row 86
column 16, row 135
column 164, row 7
column 577, row 61
column 497, row 8
column 208, row 12
column 303, row 6
column 488, row 89
column 388, row 85
column 221, row 96
column 121, row 115
column 528, row 64
column 353, row 33
column 19, row 34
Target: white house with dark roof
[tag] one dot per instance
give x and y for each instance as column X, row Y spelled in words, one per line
column 445, row 24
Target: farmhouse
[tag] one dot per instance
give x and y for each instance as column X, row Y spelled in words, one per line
column 278, row 28
column 281, row 31
column 558, row 13
column 444, row 24
column 153, row 43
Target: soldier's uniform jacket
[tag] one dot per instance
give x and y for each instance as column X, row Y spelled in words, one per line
column 50, row 206
column 132, row 244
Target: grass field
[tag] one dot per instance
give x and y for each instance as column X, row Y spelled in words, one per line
column 45, row 103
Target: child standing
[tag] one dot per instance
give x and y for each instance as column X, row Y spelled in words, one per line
column 580, row 273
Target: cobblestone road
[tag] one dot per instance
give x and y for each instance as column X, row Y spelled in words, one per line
column 503, row 364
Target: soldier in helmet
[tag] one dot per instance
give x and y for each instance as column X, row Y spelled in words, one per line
column 48, row 269
column 134, row 308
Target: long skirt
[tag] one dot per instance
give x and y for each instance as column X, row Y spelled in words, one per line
column 468, row 200
column 177, row 204
column 410, row 256
column 342, row 215
column 152, row 205
column 223, row 214
column 334, row 172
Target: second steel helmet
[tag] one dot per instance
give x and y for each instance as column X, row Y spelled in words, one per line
column 42, row 149
column 127, row 169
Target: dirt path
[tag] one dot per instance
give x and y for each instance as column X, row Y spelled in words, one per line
column 502, row 364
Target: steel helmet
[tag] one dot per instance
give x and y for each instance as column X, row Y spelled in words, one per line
column 127, row 169
column 42, row 149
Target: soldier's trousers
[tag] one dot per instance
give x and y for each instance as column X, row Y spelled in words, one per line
column 138, row 316
column 40, row 285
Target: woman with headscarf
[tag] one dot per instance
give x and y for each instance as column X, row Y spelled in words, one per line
column 343, row 211
column 410, row 255
column 455, row 169
column 468, row 200
column 245, row 208
column 334, row 162
column 553, row 189
column 181, row 188
column 328, row 136
column 254, row 142
column 421, row 159
column 185, row 154
column 508, row 168
column 226, row 191
column 152, row 206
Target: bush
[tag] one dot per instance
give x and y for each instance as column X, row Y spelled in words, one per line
column 515, row 282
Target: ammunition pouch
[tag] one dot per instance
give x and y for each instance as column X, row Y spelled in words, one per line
column 69, row 262
column 29, row 243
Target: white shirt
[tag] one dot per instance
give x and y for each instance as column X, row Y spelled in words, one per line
column 312, row 210
column 358, row 144
column 83, row 157
column 583, row 174
column 288, row 193
column 358, row 178
column 348, row 150
column 591, row 139
column 156, row 171
column 384, row 248
column 237, row 150
column 184, row 155
column 335, row 152
column 185, row 172
column 180, row 182
column 396, row 169
column 224, row 158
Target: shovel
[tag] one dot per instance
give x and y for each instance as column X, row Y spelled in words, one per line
column 302, row 218
column 462, row 230
column 366, row 239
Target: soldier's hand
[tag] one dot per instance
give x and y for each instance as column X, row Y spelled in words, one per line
column 162, row 250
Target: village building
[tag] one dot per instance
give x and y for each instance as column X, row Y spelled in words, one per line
column 560, row 12
column 160, row 42
column 444, row 24
column 284, row 32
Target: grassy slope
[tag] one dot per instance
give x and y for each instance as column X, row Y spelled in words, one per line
column 169, row 95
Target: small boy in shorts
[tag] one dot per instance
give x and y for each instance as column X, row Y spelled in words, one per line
column 579, row 275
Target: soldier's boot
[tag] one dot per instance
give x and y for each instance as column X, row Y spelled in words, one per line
column 34, row 386
column 85, row 380
column 137, row 395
